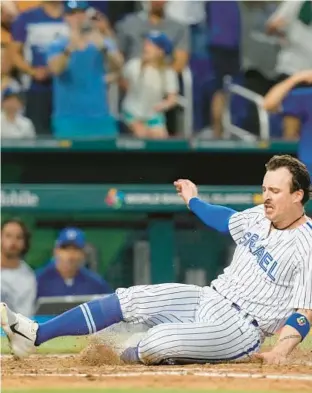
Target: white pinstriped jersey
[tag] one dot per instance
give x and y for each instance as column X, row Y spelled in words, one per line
column 271, row 272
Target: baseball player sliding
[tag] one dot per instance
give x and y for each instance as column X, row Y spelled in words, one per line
column 267, row 287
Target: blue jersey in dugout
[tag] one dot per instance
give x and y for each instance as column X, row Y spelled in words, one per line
column 86, row 282
column 80, row 107
column 299, row 104
column 36, row 31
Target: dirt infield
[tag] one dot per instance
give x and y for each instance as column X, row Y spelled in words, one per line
column 100, row 369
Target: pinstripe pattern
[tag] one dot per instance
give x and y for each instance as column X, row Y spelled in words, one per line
column 155, row 304
column 187, row 322
column 270, row 276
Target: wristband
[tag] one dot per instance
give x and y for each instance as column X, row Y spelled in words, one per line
column 300, row 323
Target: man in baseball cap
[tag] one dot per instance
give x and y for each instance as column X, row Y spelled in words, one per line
column 65, row 274
column 73, row 237
column 75, row 6
column 78, row 66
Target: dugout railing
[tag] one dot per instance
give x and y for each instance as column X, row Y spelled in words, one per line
column 230, row 129
column 54, row 305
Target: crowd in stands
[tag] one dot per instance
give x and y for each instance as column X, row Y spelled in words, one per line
column 62, row 62
column 65, row 274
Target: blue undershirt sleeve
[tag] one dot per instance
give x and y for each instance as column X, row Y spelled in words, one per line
column 214, row 216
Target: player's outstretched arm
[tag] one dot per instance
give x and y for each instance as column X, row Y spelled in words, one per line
column 214, row 216
column 297, row 327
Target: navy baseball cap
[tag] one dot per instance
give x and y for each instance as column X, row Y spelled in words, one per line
column 71, row 6
column 71, row 236
column 161, row 40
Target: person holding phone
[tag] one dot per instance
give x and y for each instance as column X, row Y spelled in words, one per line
column 78, row 66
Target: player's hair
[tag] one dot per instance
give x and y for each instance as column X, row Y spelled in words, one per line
column 300, row 175
column 26, row 232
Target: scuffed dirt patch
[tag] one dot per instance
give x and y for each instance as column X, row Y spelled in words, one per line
column 98, row 355
column 88, row 370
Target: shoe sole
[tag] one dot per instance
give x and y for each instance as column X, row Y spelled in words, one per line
column 5, row 321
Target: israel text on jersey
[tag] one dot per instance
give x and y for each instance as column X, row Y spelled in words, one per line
column 271, row 272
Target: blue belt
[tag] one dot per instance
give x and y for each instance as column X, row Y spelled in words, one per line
column 237, row 307
column 253, row 322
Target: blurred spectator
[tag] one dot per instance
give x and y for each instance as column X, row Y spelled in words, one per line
column 295, row 102
column 187, row 12
column 132, row 30
column 32, row 32
column 115, row 10
column 224, row 23
column 148, row 81
column 9, row 12
column 24, row 5
column 100, row 6
column 258, row 54
column 100, row 22
column 274, row 98
column 65, row 274
column 16, row 6
column 7, row 81
column 80, row 107
column 13, row 124
column 292, row 21
column 190, row 13
column 9, row 8
column 260, row 70
column 18, row 281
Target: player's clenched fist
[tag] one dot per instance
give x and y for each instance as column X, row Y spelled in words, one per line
column 186, row 189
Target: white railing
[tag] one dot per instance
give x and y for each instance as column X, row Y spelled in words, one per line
column 230, row 128
column 187, row 80
column 113, row 99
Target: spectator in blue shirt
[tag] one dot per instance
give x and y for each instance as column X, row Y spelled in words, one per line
column 65, row 274
column 294, row 96
column 80, row 107
column 33, row 31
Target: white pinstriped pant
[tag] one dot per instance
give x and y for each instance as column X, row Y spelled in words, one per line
column 188, row 322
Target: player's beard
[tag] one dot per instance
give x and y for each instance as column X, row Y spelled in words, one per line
column 10, row 259
column 12, row 253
